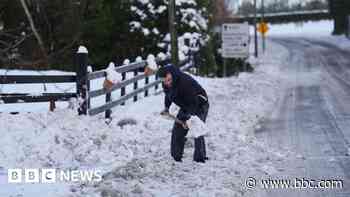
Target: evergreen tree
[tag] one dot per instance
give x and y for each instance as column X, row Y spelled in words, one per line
column 150, row 23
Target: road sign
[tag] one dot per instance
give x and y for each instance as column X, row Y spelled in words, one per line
column 263, row 28
column 235, row 40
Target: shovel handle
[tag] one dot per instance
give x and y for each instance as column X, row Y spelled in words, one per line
column 183, row 124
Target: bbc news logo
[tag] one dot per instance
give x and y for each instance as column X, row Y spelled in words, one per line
column 52, row 176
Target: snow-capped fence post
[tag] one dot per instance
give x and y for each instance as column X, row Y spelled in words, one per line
column 81, row 80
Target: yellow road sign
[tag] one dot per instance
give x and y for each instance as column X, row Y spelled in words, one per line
column 263, row 28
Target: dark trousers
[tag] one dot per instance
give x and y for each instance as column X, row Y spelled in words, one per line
column 178, row 135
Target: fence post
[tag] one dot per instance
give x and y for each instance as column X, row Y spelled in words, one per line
column 146, row 82
column 81, row 83
column 135, row 84
column 122, row 91
column 108, row 111
column 88, row 83
column 156, row 78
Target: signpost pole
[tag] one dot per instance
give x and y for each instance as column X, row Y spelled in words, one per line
column 263, row 21
column 224, row 70
column 255, row 31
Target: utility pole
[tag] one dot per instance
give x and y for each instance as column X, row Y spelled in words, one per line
column 172, row 31
column 255, row 30
column 263, row 21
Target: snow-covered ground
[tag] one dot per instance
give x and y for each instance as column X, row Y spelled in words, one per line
column 136, row 157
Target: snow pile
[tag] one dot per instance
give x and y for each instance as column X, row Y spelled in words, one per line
column 82, row 49
column 151, row 62
column 58, row 140
column 112, row 75
column 138, row 59
column 126, row 62
column 162, row 56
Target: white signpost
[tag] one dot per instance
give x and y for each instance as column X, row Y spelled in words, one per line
column 235, row 40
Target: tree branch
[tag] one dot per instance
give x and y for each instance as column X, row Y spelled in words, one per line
column 36, row 34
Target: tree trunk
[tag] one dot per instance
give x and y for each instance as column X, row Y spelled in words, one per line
column 32, row 26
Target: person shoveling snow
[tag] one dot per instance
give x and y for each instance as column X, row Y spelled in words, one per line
column 192, row 99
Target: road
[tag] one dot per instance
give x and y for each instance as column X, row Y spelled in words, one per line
column 312, row 118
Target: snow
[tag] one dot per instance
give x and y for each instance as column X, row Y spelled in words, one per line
column 126, row 62
column 82, row 49
column 145, row 31
column 144, row 2
column 89, row 69
column 161, row 56
column 138, row 59
column 340, row 41
column 192, row 17
column 161, row 9
column 136, row 157
column 135, row 25
column 155, row 31
column 151, row 62
column 112, row 75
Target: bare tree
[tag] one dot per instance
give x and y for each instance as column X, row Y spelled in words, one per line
column 32, row 26
column 221, row 11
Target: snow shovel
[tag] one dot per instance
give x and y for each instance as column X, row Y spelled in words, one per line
column 172, row 117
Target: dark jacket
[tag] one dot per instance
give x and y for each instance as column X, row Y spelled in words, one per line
column 185, row 92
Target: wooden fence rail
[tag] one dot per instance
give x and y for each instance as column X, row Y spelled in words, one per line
column 30, row 98
column 83, row 80
column 8, row 98
column 30, row 79
column 133, row 68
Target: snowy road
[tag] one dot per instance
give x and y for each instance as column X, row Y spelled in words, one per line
column 312, row 117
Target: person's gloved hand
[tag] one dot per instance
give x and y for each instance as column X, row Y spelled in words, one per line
column 165, row 111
